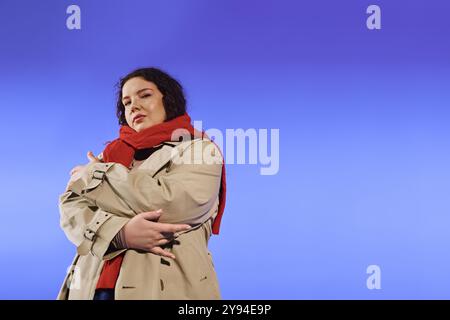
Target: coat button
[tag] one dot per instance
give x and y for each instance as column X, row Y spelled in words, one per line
column 162, row 284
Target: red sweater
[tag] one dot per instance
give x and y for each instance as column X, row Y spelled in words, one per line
column 110, row 273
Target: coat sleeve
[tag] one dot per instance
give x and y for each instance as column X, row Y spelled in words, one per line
column 89, row 228
column 186, row 189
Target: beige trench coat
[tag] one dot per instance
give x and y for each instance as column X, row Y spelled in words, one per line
column 183, row 180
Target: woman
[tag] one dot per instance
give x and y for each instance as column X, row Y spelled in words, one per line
column 141, row 214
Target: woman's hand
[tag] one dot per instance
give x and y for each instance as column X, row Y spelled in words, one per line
column 144, row 233
column 78, row 171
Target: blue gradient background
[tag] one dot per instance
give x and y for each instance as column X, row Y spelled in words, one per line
column 364, row 135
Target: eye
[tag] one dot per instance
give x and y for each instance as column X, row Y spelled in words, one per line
column 143, row 96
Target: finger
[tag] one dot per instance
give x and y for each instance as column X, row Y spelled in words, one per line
column 164, row 241
column 172, row 228
column 77, row 167
column 74, row 170
column 161, row 252
column 151, row 215
column 91, row 157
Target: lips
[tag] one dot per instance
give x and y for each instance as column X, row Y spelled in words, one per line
column 138, row 117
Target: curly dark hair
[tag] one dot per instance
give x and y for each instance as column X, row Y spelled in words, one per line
column 174, row 100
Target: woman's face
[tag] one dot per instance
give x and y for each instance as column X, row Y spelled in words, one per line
column 143, row 104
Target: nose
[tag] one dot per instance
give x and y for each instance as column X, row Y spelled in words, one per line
column 134, row 107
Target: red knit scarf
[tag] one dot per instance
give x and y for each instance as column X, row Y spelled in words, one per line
column 122, row 151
